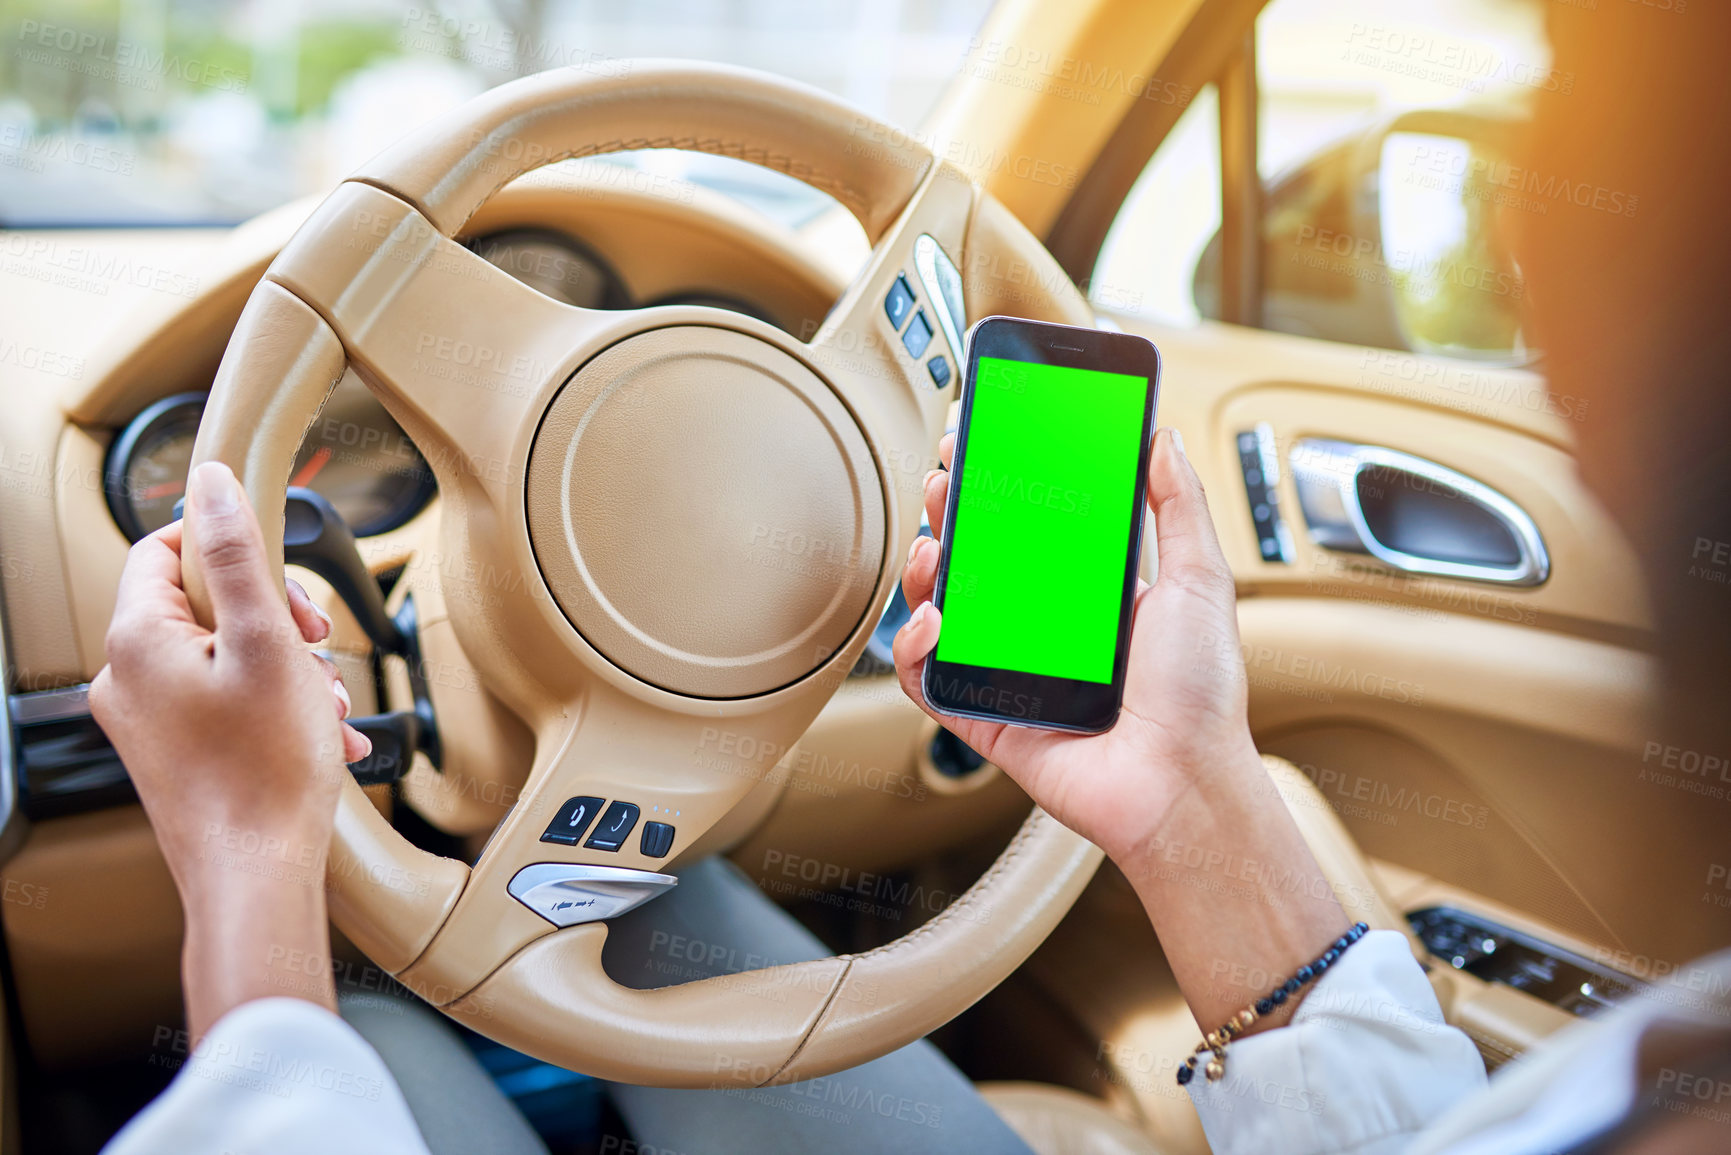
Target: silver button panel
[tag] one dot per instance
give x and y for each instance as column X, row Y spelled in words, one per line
column 568, row 893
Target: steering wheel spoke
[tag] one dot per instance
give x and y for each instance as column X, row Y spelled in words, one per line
column 462, row 354
column 880, row 340
column 635, row 787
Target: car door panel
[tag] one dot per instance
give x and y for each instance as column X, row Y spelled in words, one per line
column 1491, row 737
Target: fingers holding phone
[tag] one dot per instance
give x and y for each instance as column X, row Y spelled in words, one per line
column 1162, row 699
column 1042, row 525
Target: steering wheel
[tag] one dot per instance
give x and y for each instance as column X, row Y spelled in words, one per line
column 615, row 483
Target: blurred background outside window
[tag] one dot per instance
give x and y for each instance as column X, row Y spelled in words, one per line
column 211, row 111
column 1385, row 131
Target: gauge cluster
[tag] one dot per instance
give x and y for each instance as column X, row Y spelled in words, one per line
column 354, row 454
column 566, row 270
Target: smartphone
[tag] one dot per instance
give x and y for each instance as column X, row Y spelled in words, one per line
column 1043, row 528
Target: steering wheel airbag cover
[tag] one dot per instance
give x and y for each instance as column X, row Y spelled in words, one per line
column 706, row 512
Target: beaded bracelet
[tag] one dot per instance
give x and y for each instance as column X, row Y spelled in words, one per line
column 1216, row 1040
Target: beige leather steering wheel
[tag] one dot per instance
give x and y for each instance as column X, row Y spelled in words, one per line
column 613, row 481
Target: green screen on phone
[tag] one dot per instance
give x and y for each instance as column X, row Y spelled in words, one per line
column 1043, row 520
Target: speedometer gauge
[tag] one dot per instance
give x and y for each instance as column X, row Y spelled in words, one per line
column 148, row 464
column 354, row 454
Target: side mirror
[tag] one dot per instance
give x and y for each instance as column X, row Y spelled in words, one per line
column 1456, row 287
column 1392, row 238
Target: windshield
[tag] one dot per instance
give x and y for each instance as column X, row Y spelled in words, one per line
column 125, row 112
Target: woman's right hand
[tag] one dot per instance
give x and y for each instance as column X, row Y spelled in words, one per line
column 1184, row 715
column 1175, row 792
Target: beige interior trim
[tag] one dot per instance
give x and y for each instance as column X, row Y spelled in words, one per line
column 1361, row 893
column 44, row 638
column 1059, row 1121
column 1504, row 1023
column 169, row 337
column 77, row 1006
column 1042, row 88
column 1205, row 47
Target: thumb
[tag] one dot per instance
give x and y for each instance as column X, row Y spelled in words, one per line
column 1189, row 549
column 229, row 546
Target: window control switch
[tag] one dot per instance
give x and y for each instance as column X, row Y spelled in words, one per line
column 614, row 828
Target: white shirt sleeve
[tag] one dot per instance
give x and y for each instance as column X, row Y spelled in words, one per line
column 1364, row 1065
column 276, row 1077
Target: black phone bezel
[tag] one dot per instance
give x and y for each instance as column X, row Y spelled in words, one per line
column 1011, row 695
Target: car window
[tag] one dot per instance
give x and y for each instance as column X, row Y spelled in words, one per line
column 210, row 111
column 1150, row 255
column 1384, row 133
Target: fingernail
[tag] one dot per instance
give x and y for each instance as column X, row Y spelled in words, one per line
column 1178, row 443
column 366, row 741
column 318, row 610
column 342, row 693
column 214, row 489
column 921, row 614
column 914, row 548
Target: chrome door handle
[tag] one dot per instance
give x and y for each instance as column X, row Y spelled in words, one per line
column 1414, row 515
